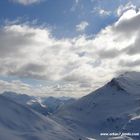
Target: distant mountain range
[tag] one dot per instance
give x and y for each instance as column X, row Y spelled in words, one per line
column 105, row 114
column 43, row 105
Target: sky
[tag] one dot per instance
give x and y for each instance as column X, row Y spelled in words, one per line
column 66, row 47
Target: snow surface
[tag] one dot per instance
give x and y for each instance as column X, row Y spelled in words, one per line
column 121, row 138
column 91, row 139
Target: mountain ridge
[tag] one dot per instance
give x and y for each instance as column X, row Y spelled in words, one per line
column 108, row 109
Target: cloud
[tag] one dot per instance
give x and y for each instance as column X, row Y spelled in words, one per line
column 79, row 64
column 82, row 26
column 104, row 13
column 127, row 63
column 101, row 12
column 112, row 53
column 14, row 85
column 134, row 48
column 57, row 89
column 26, row 2
column 123, row 8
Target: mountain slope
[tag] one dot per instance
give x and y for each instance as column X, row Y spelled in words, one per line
column 18, row 122
column 108, row 109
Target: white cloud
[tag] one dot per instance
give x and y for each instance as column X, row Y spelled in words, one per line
column 82, row 26
column 26, row 2
column 15, row 85
column 101, row 12
column 123, row 8
column 84, row 63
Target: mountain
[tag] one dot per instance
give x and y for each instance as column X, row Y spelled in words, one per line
column 114, row 108
column 30, row 101
column 43, row 105
column 20, row 98
column 18, row 122
column 53, row 103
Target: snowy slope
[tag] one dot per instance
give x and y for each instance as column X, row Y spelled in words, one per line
column 106, row 110
column 18, row 122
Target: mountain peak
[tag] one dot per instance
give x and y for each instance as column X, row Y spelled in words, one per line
column 128, row 81
column 115, row 83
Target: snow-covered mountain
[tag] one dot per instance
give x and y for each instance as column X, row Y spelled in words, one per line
column 114, row 108
column 53, row 103
column 18, row 122
column 43, row 105
column 20, row 98
column 30, row 101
